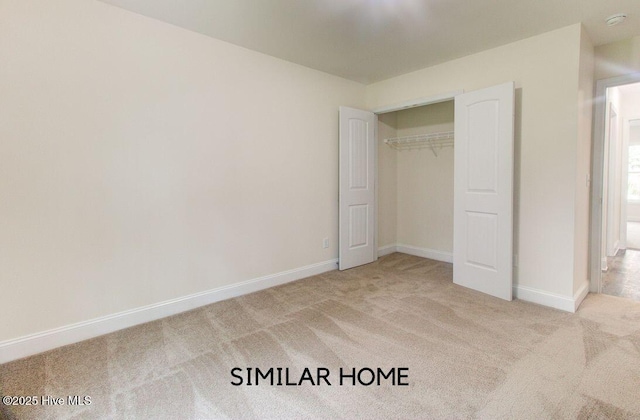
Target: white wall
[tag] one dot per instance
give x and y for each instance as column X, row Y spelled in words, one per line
column 140, row 162
column 545, row 69
column 387, row 181
column 415, row 204
column 425, row 182
column 583, row 162
column 617, row 58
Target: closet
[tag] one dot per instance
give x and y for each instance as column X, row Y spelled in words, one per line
column 398, row 192
column 415, row 181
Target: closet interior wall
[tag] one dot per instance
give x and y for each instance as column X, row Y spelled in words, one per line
column 415, row 193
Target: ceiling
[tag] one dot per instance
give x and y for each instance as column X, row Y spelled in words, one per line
column 371, row 40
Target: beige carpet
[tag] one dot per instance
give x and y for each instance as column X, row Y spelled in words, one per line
column 468, row 355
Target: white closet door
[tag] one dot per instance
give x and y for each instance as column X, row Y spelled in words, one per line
column 483, row 190
column 357, row 188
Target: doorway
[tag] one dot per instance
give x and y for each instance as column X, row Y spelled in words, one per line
column 415, row 174
column 615, row 222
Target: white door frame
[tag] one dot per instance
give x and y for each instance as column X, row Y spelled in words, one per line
column 597, row 164
column 613, row 144
column 414, row 103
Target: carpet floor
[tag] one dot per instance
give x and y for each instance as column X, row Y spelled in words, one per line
column 467, row 355
column 633, row 235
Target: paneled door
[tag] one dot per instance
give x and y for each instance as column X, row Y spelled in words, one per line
column 357, row 188
column 483, row 190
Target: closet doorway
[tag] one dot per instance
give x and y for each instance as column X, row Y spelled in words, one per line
column 434, row 200
column 415, row 181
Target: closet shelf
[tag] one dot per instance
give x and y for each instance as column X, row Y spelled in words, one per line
column 434, row 141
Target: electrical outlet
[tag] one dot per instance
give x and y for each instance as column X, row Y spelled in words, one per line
column 325, row 243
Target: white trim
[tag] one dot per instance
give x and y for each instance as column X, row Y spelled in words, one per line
column 612, row 144
column 579, row 296
column 443, row 97
column 431, row 254
column 552, row 300
column 615, row 250
column 387, row 249
column 37, row 343
column 376, row 184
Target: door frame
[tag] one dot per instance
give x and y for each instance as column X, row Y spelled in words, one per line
column 597, row 176
column 412, row 103
column 612, row 129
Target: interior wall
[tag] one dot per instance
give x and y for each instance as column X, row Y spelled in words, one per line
column 583, row 161
column 141, row 162
column 425, row 181
column 617, row 58
column 546, row 136
column 387, row 181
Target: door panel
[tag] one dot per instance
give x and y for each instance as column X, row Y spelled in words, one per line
column 483, row 190
column 482, row 138
column 357, row 188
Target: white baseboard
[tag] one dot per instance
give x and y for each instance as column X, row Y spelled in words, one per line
column 614, row 250
column 432, row 254
column 37, row 343
column 552, row 300
column 387, row 249
column 541, row 297
column 579, row 296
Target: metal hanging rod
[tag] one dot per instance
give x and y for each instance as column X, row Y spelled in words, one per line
column 434, row 141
